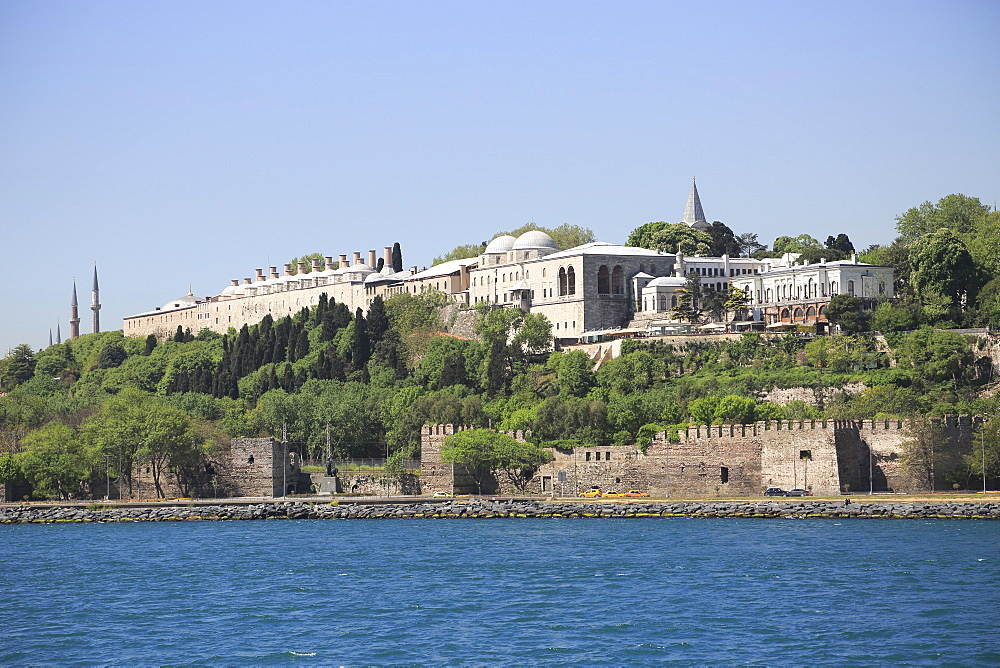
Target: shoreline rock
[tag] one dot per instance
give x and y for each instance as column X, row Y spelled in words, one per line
column 494, row 509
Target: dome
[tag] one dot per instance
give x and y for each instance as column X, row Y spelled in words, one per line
column 181, row 302
column 667, row 282
column 534, row 239
column 230, row 291
column 501, row 244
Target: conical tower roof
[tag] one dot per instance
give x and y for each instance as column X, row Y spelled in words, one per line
column 693, row 213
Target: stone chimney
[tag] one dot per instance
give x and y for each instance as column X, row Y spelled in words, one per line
column 260, row 275
column 317, row 264
column 329, row 263
column 274, row 272
column 302, row 269
column 371, row 259
column 288, row 269
column 387, row 255
column 247, row 281
column 413, row 269
column 343, row 261
column 357, row 258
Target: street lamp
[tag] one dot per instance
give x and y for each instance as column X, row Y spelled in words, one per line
column 982, row 443
column 107, row 470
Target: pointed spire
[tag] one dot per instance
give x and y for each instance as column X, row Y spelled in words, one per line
column 50, row 337
column 58, row 332
column 95, row 305
column 693, row 213
column 74, row 315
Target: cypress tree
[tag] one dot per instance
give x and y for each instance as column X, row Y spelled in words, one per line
column 397, row 257
column 360, row 350
column 378, row 320
column 380, row 264
column 179, row 335
column 150, row 344
column 302, row 344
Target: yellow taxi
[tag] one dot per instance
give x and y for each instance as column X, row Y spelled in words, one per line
column 592, row 493
column 613, row 494
column 635, row 494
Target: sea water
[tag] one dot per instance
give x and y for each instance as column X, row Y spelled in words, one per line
column 517, row 591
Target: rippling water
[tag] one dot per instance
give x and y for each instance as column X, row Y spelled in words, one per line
column 572, row 591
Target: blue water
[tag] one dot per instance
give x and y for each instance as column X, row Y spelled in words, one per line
column 571, row 591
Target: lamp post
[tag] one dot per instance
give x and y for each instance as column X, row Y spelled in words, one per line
column 982, row 443
column 107, row 470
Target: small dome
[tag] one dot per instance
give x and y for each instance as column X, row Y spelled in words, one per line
column 230, row 291
column 667, row 282
column 534, row 239
column 388, row 270
column 501, row 244
column 180, row 302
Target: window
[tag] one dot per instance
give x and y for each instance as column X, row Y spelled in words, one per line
column 588, row 456
column 597, row 456
column 805, row 454
column 607, row 455
column 603, row 281
column 850, row 288
column 563, row 289
column 618, row 281
column 571, row 281
column 724, row 474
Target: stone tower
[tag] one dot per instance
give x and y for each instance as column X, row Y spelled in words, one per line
column 694, row 214
column 74, row 315
column 95, row 304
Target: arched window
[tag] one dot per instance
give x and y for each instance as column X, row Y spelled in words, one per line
column 571, row 281
column 673, row 302
column 850, row 288
column 785, row 315
column 603, row 281
column 810, row 313
column 562, row 282
column 797, row 314
column 663, row 302
column 618, row 281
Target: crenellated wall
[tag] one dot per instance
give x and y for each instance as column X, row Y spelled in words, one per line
column 824, row 456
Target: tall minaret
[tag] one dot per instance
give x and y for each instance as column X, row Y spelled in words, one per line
column 58, row 332
column 95, row 304
column 694, row 215
column 74, row 315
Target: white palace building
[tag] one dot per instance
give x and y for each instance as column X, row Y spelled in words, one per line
column 595, row 287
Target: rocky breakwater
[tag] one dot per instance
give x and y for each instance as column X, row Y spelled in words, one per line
column 498, row 508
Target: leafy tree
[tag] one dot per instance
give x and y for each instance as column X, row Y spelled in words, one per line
column 56, row 361
column 840, row 243
column 724, row 241
column 749, row 244
column 574, row 372
column 18, row 367
column 478, row 450
column 307, row 258
column 737, row 301
column 897, row 316
column 943, row 274
column 114, row 355
column 518, row 461
column 689, row 300
column 55, row 461
column 848, row 313
column 460, row 253
column 923, row 452
column 671, row 238
column 508, row 336
column 630, row 372
column 150, row 344
column 378, row 320
column 797, row 244
column 958, row 213
column 360, row 343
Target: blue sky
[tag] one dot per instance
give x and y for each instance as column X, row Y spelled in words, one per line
column 191, row 142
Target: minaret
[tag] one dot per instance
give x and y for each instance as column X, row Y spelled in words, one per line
column 95, row 304
column 694, row 215
column 58, row 333
column 50, row 337
column 74, row 315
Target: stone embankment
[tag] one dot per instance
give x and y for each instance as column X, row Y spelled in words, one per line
column 488, row 508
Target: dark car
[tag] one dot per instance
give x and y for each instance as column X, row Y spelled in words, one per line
column 775, row 491
column 798, row 491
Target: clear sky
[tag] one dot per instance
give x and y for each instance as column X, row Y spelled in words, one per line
column 194, row 141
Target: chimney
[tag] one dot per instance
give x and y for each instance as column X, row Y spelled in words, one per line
column 247, row 281
column 302, row 269
column 357, row 257
column 413, row 269
column 329, row 263
column 371, row 259
column 317, row 264
column 387, row 255
column 288, row 269
column 274, row 272
column 260, row 275
column 343, row 261
column 234, row 282
column 854, row 258
column 822, row 260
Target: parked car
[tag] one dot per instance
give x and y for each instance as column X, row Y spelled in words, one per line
column 635, row 494
column 442, row 494
column 592, row 493
column 798, row 491
column 613, row 494
column 775, row 491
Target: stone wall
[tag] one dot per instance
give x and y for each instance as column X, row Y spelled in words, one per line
column 824, row 456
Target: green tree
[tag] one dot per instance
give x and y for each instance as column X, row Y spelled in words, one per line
column 397, row 257
column 565, row 236
column 518, row 461
column 724, row 241
column 841, row 243
column 848, row 313
column 307, row 258
column 923, row 452
column 943, row 274
column 749, row 244
column 18, row 367
column 478, row 450
column 574, row 372
column 460, row 253
column 958, row 213
column 55, row 461
column 671, row 238
column 508, row 336
column 797, row 244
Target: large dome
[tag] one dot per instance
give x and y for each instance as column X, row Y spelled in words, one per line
column 534, row 239
column 501, row 244
column 181, row 302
